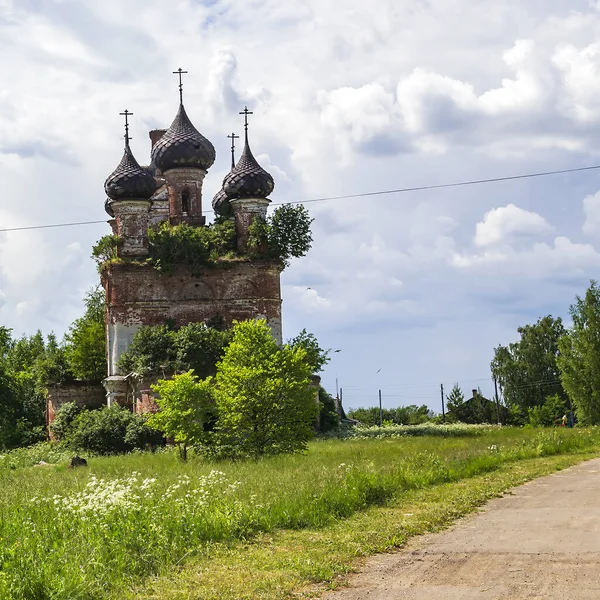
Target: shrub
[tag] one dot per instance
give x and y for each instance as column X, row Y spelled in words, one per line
column 192, row 246
column 110, row 430
column 105, row 250
column 549, row 413
column 62, row 425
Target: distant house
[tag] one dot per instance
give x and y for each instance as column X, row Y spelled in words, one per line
column 478, row 409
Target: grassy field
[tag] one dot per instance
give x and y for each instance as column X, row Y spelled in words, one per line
column 147, row 526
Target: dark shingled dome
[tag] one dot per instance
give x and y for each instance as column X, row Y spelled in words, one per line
column 247, row 179
column 129, row 181
column 108, row 209
column 182, row 146
column 220, row 202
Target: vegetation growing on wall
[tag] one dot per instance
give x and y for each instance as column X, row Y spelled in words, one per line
column 284, row 235
column 195, row 247
column 105, row 250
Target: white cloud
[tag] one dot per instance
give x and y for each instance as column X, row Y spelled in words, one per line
column 591, row 210
column 347, row 97
column 501, row 224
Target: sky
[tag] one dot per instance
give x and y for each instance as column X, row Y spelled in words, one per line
column 414, row 289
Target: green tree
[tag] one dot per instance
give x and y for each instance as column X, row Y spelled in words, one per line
column 316, row 356
column 284, row 235
column 186, row 404
column 85, row 341
column 161, row 350
column 199, row 347
column 527, row 370
column 9, row 411
column 152, row 350
column 579, row 360
column 31, row 365
column 328, row 417
column 412, row 414
column 105, row 250
column 264, row 399
column 454, row 402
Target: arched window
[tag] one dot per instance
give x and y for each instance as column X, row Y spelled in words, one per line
column 185, row 201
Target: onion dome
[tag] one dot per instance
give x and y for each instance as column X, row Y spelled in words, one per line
column 108, row 209
column 221, row 204
column 129, row 181
column 182, row 146
column 247, row 179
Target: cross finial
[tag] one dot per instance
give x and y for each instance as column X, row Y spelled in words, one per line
column 180, row 72
column 126, row 114
column 233, row 137
column 246, row 112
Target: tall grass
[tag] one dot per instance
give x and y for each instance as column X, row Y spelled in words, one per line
column 87, row 533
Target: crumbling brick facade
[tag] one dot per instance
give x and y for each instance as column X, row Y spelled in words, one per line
column 82, row 393
column 137, row 295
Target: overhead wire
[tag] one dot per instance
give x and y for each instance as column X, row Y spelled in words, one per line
column 359, row 195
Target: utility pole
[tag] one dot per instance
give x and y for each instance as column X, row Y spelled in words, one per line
column 497, row 401
column 380, row 411
column 443, row 410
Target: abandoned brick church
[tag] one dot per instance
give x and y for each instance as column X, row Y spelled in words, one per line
column 170, row 189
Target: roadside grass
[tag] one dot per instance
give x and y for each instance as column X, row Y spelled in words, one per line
column 304, row 564
column 91, row 534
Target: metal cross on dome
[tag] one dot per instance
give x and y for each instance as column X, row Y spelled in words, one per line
column 180, row 72
column 233, row 137
column 246, row 112
column 126, row 114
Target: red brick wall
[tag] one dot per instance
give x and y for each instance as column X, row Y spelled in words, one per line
column 239, row 290
column 82, row 393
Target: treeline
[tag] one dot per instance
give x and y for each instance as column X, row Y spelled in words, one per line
column 550, row 376
column 30, row 364
column 403, row 415
column 553, row 371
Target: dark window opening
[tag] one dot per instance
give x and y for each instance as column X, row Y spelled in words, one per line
column 185, row 201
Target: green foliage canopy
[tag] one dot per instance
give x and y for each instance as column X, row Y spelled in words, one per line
column 85, row 341
column 579, row 360
column 265, row 403
column 316, row 356
column 186, row 404
column 284, row 235
column 160, row 349
column 527, row 370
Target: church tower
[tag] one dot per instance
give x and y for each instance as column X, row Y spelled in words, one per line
column 183, row 156
column 138, row 291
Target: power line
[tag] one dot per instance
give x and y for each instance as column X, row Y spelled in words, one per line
column 361, row 195
column 412, row 385
column 450, row 185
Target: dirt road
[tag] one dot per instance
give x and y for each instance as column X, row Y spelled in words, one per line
column 541, row 541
